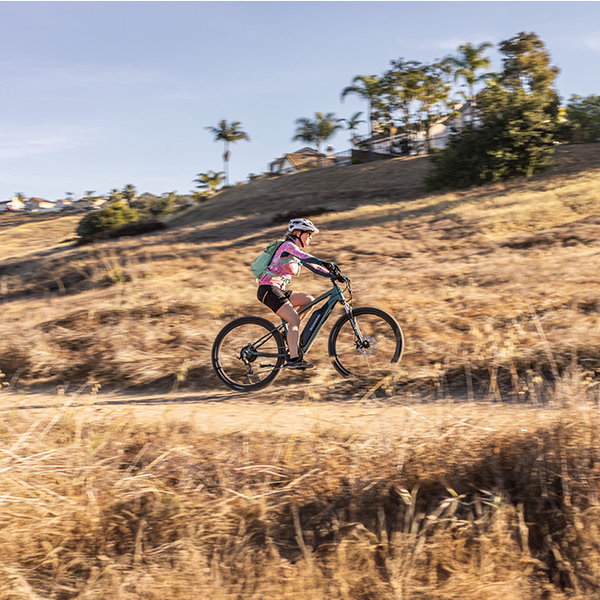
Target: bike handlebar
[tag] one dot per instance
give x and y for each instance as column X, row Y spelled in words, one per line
column 334, row 274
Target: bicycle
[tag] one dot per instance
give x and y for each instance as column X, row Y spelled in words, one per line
column 250, row 352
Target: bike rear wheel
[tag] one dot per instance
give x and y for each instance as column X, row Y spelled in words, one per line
column 248, row 354
column 378, row 353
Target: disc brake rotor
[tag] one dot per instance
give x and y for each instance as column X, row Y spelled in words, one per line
column 368, row 345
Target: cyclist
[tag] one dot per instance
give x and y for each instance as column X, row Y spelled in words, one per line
column 271, row 286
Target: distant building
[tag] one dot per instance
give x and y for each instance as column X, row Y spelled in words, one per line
column 306, row 158
column 39, row 205
column 14, row 204
column 419, row 142
column 63, row 203
column 98, row 202
column 147, row 196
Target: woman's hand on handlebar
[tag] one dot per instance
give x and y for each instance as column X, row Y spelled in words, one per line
column 336, row 274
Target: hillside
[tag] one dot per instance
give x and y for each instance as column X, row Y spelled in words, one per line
column 496, row 288
column 346, row 188
column 472, row 474
column 341, row 188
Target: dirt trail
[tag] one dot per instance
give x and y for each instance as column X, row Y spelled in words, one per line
column 278, row 411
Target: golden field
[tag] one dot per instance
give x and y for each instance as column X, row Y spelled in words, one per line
column 472, row 277
column 483, row 485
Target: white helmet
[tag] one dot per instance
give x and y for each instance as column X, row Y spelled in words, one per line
column 302, row 225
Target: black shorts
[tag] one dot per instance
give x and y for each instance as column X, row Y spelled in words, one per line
column 273, row 297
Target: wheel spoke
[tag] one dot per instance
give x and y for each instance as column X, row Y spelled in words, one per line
column 247, row 354
column 376, row 353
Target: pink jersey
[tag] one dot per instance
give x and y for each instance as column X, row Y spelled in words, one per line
column 286, row 269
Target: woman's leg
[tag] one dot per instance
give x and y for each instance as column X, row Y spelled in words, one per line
column 288, row 314
column 298, row 300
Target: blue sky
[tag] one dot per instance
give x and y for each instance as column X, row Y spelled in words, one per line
column 97, row 95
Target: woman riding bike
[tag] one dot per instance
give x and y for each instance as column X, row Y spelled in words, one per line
column 271, row 286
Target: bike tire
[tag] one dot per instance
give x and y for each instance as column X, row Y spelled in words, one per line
column 383, row 338
column 232, row 354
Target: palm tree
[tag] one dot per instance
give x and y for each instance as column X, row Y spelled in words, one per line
column 368, row 87
column 229, row 133
column 209, row 182
column 467, row 63
column 327, row 125
column 351, row 125
column 305, row 131
column 322, row 129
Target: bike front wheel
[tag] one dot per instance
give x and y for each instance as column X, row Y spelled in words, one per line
column 372, row 350
column 248, row 354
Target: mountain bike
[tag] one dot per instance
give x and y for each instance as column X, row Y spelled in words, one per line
column 250, row 352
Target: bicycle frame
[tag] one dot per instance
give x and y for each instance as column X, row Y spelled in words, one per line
column 335, row 296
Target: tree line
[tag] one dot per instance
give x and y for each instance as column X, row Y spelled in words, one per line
column 516, row 117
column 124, row 207
column 515, row 122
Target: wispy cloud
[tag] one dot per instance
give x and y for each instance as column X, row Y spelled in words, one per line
column 592, row 42
column 75, row 77
column 449, row 43
column 20, row 142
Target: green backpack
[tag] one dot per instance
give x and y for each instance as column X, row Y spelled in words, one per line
column 261, row 265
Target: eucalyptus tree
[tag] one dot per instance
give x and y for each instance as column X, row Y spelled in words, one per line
column 434, row 96
column 209, row 182
column 518, row 113
column 367, row 87
column 400, row 91
column 228, row 133
column 583, row 113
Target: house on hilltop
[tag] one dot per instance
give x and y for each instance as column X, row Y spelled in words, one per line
column 97, row 203
column 306, row 158
column 146, row 196
column 14, row 204
column 39, row 205
column 420, row 142
column 63, row 203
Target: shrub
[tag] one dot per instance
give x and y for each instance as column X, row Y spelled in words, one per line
column 155, row 207
column 518, row 117
column 115, row 215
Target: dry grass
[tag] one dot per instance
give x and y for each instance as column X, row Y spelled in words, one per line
column 460, row 502
column 494, row 287
column 497, row 292
column 22, row 235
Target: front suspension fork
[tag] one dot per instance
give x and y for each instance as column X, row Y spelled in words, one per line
column 359, row 337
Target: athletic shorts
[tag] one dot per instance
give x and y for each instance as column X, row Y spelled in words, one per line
column 273, row 297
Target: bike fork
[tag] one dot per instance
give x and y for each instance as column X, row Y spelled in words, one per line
column 357, row 333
